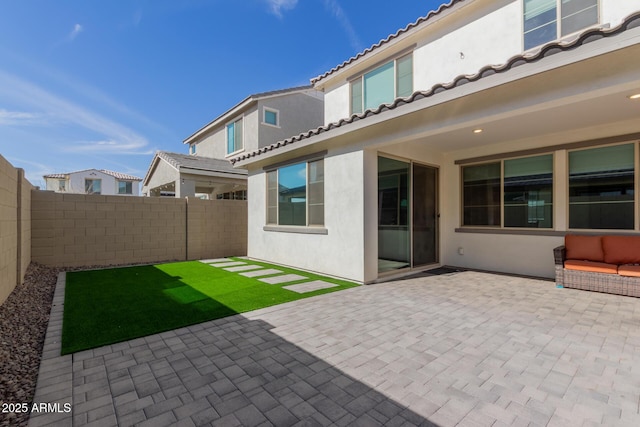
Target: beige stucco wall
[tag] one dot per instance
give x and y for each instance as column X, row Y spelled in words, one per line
column 15, row 227
column 85, row 230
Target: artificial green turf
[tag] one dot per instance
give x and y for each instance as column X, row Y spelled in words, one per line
column 108, row 306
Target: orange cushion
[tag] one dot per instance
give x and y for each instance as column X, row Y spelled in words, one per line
column 629, row 270
column 596, row 267
column 621, row 249
column 584, row 247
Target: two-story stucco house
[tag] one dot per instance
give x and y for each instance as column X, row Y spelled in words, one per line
column 94, row 181
column 477, row 136
column 257, row 121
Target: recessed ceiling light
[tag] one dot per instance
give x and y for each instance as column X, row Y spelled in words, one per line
column 477, row 130
column 635, row 96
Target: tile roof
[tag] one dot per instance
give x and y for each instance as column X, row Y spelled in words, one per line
column 389, row 38
column 549, row 49
column 117, row 175
column 187, row 161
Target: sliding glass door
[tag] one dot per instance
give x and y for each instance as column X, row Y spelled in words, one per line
column 394, row 249
column 407, row 215
column 425, row 215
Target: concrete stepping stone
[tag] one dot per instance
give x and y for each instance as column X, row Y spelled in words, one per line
column 282, row 279
column 258, row 273
column 228, row 264
column 243, row 268
column 316, row 285
column 211, row 261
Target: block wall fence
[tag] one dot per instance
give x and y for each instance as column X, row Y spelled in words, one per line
column 77, row 230
column 80, row 230
column 15, row 227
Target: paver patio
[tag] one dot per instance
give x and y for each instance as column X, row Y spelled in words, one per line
column 460, row 349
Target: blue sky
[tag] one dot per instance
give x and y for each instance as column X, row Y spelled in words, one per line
column 104, row 84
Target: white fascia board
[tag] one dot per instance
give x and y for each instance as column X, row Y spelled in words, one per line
column 201, row 172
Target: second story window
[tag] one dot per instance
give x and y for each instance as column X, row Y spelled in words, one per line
column 92, row 186
column 62, row 185
column 548, row 20
column 125, row 187
column 192, row 149
column 271, row 117
column 382, row 85
column 234, row 137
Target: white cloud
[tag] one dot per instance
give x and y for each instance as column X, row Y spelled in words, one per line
column 77, row 29
column 278, row 6
column 17, row 118
column 337, row 11
column 112, row 137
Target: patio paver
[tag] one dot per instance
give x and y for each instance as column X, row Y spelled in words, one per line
column 316, row 285
column 211, row 261
column 260, row 273
column 242, row 268
column 285, row 278
column 459, row 349
column 228, row 264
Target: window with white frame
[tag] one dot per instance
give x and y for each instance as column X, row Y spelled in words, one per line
column 62, row 185
column 93, row 186
column 513, row 192
column 192, row 149
column 382, row 85
column 295, row 194
column 125, row 187
column 548, row 20
column 271, row 117
column 234, row 137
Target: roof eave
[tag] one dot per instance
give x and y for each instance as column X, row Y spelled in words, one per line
column 242, row 106
column 458, row 87
column 433, row 16
column 237, row 109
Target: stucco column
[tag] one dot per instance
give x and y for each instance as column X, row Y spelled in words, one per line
column 370, row 193
column 185, row 188
column 560, row 188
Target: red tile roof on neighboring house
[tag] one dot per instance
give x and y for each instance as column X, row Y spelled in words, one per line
column 549, row 49
column 117, row 175
column 395, row 35
column 122, row 176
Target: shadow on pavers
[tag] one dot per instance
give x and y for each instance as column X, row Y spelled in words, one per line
column 231, row 371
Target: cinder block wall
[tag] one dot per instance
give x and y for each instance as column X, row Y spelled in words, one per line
column 8, row 230
column 224, row 236
column 71, row 230
column 25, row 223
column 15, row 227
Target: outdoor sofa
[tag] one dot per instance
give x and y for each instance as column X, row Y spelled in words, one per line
column 609, row 263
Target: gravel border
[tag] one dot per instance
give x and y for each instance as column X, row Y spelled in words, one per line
column 24, row 317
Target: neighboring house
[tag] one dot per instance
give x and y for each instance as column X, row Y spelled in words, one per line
column 94, row 181
column 181, row 175
column 477, row 136
column 258, row 121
